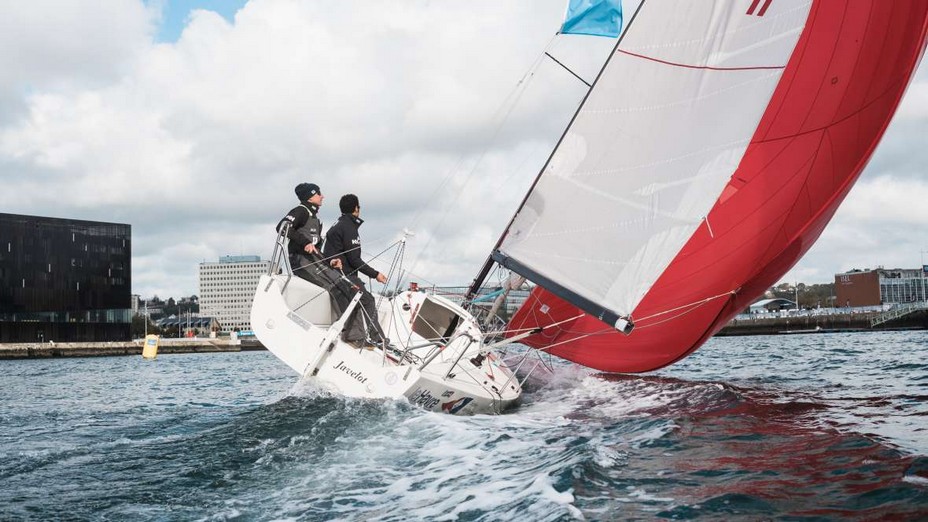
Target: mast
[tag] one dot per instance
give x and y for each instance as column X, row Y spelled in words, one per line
column 497, row 257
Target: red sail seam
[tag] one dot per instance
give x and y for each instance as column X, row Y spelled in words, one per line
column 862, row 108
column 704, row 67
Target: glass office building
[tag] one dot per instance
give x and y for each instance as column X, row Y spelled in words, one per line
column 64, row 280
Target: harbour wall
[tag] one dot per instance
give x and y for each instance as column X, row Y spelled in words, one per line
column 824, row 323
column 798, row 324
column 101, row 349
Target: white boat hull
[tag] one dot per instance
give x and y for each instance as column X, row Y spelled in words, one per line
column 442, row 373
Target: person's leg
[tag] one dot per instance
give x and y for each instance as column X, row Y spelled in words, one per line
column 340, row 291
column 302, row 266
column 344, row 291
column 369, row 308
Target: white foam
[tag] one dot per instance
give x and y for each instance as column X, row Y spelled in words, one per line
column 915, row 479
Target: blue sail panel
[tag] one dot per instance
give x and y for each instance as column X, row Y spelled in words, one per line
column 593, row 17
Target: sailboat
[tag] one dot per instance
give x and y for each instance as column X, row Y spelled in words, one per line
column 707, row 156
column 439, row 359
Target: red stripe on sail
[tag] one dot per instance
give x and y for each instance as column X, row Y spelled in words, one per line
column 706, row 67
column 764, row 9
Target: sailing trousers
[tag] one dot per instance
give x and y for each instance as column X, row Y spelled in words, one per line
column 363, row 323
column 369, row 310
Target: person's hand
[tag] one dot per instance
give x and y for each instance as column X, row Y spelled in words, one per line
column 336, row 263
column 381, row 278
column 310, row 249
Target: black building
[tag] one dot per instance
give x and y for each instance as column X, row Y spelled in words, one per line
column 64, row 280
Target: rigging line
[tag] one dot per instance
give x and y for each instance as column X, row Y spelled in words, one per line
column 394, row 265
column 671, row 318
column 501, row 114
column 591, row 334
column 485, row 269
column 577, row 76
column 382, row 252
column 545, row 327
column 694, row 304
column 509, row 105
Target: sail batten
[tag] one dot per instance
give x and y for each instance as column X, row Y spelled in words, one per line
column 651, row 148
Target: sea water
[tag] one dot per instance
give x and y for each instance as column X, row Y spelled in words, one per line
column 798, row 427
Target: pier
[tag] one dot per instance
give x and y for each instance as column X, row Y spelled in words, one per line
column 102, row 349
column 914, row 318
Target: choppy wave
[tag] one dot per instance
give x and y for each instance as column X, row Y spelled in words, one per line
column 815, row 426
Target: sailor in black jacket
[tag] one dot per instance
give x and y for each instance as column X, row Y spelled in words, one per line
column 305, row 233
column 305, row 249
column 343, row 248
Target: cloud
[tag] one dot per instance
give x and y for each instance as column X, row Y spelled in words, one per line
column 60, row 46
column 198, row 143
column 437, row 115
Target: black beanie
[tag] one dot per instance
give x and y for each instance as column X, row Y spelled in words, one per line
column 305, row 191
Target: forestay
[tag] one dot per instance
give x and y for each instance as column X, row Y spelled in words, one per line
column 646, row 156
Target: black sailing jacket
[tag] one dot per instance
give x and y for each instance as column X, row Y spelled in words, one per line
column 342, row 240
column 305, row 228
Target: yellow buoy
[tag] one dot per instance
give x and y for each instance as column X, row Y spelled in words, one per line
column 150, row 351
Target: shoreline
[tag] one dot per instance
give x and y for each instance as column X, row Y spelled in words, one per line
column 47, row 350
column 825, row 323
column 793, row 325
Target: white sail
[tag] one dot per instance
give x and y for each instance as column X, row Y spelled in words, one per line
column 658, row 137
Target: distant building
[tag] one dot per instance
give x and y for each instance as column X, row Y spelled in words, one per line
column 880, row 286
column 188, row 326
column 64, row 279
column 772, row 305
column 227, row 289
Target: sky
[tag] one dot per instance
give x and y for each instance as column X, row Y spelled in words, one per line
column 194, row 120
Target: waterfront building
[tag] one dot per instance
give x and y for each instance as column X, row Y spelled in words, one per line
column 775, row 304
column 64, row 280
column 188, row 325
column 880, row 286
column 227, row 288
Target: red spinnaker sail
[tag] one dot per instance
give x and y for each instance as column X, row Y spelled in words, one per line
column 837, row 95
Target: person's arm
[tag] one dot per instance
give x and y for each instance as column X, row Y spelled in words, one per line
column 332, row 248
column 354, row 260
column 297, row 218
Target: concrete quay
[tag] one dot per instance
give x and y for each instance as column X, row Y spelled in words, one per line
column 824, row 323
column 103, row 349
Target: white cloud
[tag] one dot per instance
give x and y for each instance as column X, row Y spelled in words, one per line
column 198, row 143
column 881, row 223
column 52, row 45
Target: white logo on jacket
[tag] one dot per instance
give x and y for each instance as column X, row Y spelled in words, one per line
column 356, row 242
